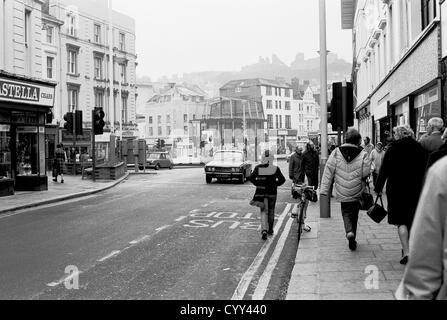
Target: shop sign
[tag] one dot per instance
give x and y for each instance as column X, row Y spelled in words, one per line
column 381, row 111
column 26, row 92
column 26, row 129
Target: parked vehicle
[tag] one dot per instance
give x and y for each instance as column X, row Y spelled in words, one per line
column 228, row 164
column 158, row 160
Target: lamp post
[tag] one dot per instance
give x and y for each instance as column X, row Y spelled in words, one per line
column 325, row 208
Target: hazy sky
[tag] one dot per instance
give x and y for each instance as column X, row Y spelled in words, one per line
column 177, row 36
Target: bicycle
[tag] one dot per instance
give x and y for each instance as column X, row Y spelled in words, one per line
column 305, row 194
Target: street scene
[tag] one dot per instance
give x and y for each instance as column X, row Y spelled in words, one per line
column 130, row 169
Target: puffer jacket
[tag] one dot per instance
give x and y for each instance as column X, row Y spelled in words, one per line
column 346, row 168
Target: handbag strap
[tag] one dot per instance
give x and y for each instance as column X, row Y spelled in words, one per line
column 381, row 200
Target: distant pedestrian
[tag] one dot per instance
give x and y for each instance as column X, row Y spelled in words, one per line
column 296, row 172
column 437, row 155
column 403, row 170
column 348, row 167
column 311, row 165
column 426, row 272
column 60, row 158
column 267, row 178
column 376, row 160
column 432, row 141
column 368, row 147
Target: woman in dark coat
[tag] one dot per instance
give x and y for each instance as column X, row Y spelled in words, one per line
column 403, row 170
column 311, row 165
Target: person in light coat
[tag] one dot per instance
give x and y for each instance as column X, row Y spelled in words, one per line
column 426, row 272
column 376, row 160
column 348, row 167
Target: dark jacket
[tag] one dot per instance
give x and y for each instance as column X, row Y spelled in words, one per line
column 403, row 169
column 311, row 163
column 267, row 185
column 296, row 172
column 432, row 142
column 437, row 155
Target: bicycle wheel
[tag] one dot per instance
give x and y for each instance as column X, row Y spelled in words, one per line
column 300, row 222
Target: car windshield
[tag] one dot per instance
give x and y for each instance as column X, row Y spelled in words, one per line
column 228, row 156
column 154, row 156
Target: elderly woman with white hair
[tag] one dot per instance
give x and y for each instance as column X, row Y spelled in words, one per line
column 403, row 170
column 432, row 141
column 267, row 178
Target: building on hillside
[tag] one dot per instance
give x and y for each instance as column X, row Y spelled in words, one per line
column 169, row 117
column 84, row 54
column 307, row 119
column 26, row 98
column 397, row 68
column 276, row 98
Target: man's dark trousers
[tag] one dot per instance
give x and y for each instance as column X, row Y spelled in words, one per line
column 350, row 212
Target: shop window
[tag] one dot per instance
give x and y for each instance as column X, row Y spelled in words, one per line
column 427, row 105
column 27, row 151
column 5, row 152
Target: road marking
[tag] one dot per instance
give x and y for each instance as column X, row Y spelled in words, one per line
column 246, row 279
column 110, row 255
column 68, row 278
column 264, row 281
column 139, row 240
column 162, row 228
column 180, row 218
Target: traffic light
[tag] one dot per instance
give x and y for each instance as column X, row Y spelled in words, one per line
column 338, row 106
column 162, row 144
column 202, row 144
column 69, row 119
column 78, row 122
column 98, row 121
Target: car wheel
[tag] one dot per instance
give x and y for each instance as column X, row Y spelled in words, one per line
column 170, row 167
column 209, row 179
column 157, row 166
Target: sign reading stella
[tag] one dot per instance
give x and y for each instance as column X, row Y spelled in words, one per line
column 26, row 92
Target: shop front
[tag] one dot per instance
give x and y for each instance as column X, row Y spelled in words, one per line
column 24, row 104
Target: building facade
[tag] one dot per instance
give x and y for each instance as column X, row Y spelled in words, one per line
column 171, row 116
column 397, row 72
column 26, row 98
column 276, row 98
column 87, row 77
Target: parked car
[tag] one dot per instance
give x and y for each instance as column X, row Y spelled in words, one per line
column 228, row 164
column 158, row 160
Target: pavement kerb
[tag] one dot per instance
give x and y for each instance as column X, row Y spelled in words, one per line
column 65, row 197
column 304, row 283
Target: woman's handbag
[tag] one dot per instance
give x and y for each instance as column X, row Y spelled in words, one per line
column 377, row 212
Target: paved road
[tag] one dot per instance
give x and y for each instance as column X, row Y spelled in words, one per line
column 169, row 236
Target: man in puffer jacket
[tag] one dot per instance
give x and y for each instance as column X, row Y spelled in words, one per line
column 348, row 166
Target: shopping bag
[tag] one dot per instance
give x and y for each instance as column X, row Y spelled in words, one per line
column 377, row 212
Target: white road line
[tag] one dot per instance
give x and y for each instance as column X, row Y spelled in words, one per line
column 180, row 218
column 139, row 240
column 162, row 228
column 264, row 281
column 68, row 278
column 246, row 279
column 110, row 255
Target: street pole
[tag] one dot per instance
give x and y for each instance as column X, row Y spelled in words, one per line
column 325, row 208
column 93, row 147
column 344, row 95
column 111, row 75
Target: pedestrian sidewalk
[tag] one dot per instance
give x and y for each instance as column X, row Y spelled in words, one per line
column 73, row 187
column 325, row 268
